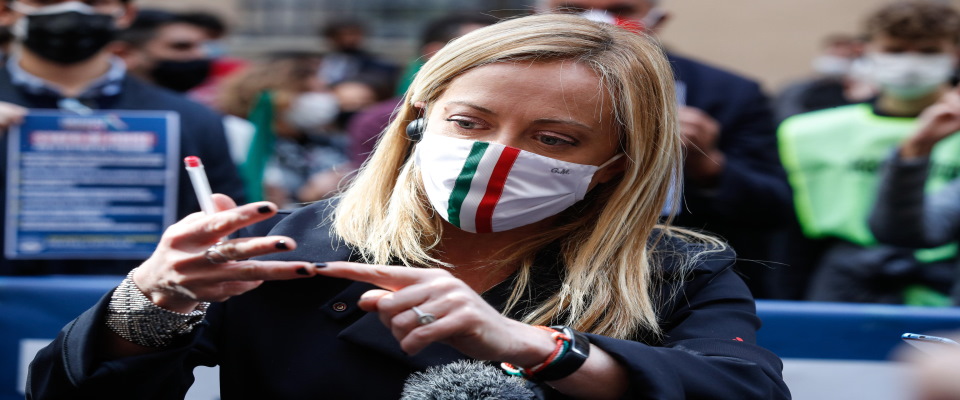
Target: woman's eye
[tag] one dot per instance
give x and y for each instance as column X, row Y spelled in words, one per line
column 464, row 124
column 554, row 141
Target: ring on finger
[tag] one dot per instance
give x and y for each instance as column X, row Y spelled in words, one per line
column 423, row 318
column 215, row 256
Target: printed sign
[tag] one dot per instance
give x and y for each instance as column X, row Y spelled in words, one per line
column 100, row 185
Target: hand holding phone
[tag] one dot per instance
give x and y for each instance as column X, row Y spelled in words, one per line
column 928, row 343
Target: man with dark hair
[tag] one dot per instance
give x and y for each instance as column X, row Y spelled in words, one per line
column 64, row 63
column 733, row 185
column 834, row 158
column 165, row 49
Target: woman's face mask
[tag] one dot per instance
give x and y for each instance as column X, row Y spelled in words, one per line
column 485, row 187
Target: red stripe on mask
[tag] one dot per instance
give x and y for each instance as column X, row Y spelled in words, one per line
column 494, row 189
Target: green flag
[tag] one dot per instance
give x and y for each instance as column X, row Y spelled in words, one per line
column 261, row 147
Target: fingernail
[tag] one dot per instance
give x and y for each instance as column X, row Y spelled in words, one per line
column 264, row 209
column 282, row 245
column 320, row 265
column 303, row 271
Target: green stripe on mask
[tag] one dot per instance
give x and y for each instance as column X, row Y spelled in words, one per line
column 462, row 186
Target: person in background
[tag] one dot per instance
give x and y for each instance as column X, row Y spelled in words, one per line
column 222, row 64
column 834, row 158
column 295, row 155
column 904, row 215
column 435, row 35
column 346, row 58
column 833, row 84
column 637, row 309
column 357, row 94
column 169, row 50
column 165, row 49
column 365, row 127
column 733, row 183
column 64, row 60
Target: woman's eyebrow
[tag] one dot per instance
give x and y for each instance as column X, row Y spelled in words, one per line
column 570, row 122
column 474, row 106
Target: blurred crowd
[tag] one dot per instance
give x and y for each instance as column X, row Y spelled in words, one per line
column 841, row 187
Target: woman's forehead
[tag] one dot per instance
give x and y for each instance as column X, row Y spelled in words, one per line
column 562, row 85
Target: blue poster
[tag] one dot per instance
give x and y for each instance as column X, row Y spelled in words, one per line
column 100, row 185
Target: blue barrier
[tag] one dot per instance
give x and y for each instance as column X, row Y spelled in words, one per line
column 845, row 331
column 38, row 307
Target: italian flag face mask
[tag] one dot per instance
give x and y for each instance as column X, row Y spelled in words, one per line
column 485, row 187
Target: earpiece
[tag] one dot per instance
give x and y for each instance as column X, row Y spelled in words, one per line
column 415, row 129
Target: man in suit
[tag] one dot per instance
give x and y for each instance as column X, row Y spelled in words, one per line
column 65, row 62
column 734, row 185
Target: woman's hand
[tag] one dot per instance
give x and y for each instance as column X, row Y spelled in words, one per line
column 463, row 319
column 179, row 275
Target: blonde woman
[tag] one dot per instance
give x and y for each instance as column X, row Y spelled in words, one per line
column 518, row 188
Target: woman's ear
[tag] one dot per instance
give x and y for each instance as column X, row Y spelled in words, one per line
column 613, row 170
column 421, row 107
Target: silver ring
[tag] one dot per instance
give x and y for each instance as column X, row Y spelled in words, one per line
column 423, row 317
column 214, row 255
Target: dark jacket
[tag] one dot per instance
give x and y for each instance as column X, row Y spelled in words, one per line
column 904, row 215
column 307, row 339
column 201, row 134
column 752, row 197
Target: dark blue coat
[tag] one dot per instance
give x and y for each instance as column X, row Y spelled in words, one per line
column 201, row 134
column 752, row 196
column 306, row 339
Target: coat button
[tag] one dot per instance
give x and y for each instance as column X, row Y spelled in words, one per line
column 339, row 306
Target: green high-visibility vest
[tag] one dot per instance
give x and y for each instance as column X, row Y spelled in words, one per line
column 833, row 159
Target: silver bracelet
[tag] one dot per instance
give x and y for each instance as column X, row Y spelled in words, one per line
column 135, row 318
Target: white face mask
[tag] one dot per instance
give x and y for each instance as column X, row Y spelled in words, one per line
column 908, row 75
column 832, row 66
column 485, row 187
column 312, row 111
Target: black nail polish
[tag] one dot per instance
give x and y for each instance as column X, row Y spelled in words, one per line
column 282, row 245
column 320, row 265
column 302, row 271
column 264, row 209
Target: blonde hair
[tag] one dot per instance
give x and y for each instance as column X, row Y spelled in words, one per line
column 606, row 239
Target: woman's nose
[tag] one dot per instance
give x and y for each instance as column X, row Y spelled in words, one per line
column 507, row 137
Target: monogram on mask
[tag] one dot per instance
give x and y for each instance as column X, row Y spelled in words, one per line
column 65, row 33
column 485, row 187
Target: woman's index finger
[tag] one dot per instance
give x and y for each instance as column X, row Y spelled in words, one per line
column 386, row 276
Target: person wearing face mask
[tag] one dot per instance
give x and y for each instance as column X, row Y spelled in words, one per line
column 509, row 214
column 169, row 50
column 296, row 154
column 733, row 184
column 64, row 61
column 833, row 84
column 834, row 158
column 165, row 49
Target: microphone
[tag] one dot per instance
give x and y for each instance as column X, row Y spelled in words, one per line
column 466, row 380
